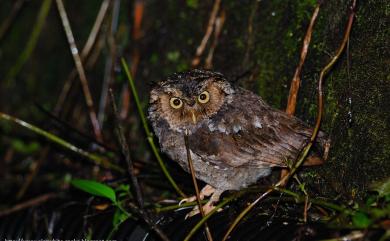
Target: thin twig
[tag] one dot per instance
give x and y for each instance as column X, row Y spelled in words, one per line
column 205, row 218
column 219, row 22
column 302, row 187
column 36, row 165
column 305, row 151
column 149, row 134
column 130, row 168
column 296, row 81
column 95, row 29
column 210, row 26
column 95, row 158
column 7, row 23
column 126, row 154
column 178, row 206
column 110, row 62
column 305, row 209
column 30, row 203
column 85, row 53
column 192, row 171
column 150, row 222
column 80, row 70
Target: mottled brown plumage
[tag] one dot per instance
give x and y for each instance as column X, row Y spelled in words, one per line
column 235, row 137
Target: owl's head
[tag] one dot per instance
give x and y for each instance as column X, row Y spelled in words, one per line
column 185, row 100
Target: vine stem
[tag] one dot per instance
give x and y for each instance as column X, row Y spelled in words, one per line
column 296, row 81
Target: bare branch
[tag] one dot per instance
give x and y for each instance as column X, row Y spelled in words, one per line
column 210, row 27
column 80, row 70
column 296, row 81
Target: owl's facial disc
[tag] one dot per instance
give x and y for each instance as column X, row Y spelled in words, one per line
column 202, row 99
column 185, row 104
column 188, row 107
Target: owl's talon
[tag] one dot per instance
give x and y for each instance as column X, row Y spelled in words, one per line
column 207, row 208
column 187, row 200
column 205, row 192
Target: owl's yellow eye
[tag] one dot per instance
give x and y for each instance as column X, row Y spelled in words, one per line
column 204, row 97
column 176, row 103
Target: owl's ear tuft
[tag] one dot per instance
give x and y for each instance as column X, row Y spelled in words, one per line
column 157, row 83
column 226, row 86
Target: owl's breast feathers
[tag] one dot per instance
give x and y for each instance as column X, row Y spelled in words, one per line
column 249, row 133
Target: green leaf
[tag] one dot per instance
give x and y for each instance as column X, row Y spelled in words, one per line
column 95, row 188
column 361, row 220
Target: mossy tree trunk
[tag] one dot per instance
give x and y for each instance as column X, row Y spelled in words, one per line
column 357, row 102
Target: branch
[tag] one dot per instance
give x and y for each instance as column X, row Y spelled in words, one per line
column 296, row 81
column 29, row 203
column 80, row 69
column 210, row 26
column 126, row 153
column 218, row 29
column 84, row 54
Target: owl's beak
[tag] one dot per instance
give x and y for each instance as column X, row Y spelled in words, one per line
column 193, row 117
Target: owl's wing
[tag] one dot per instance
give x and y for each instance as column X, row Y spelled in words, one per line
column 259, row 136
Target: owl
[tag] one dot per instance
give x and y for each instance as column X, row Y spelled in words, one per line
column 235, row 138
